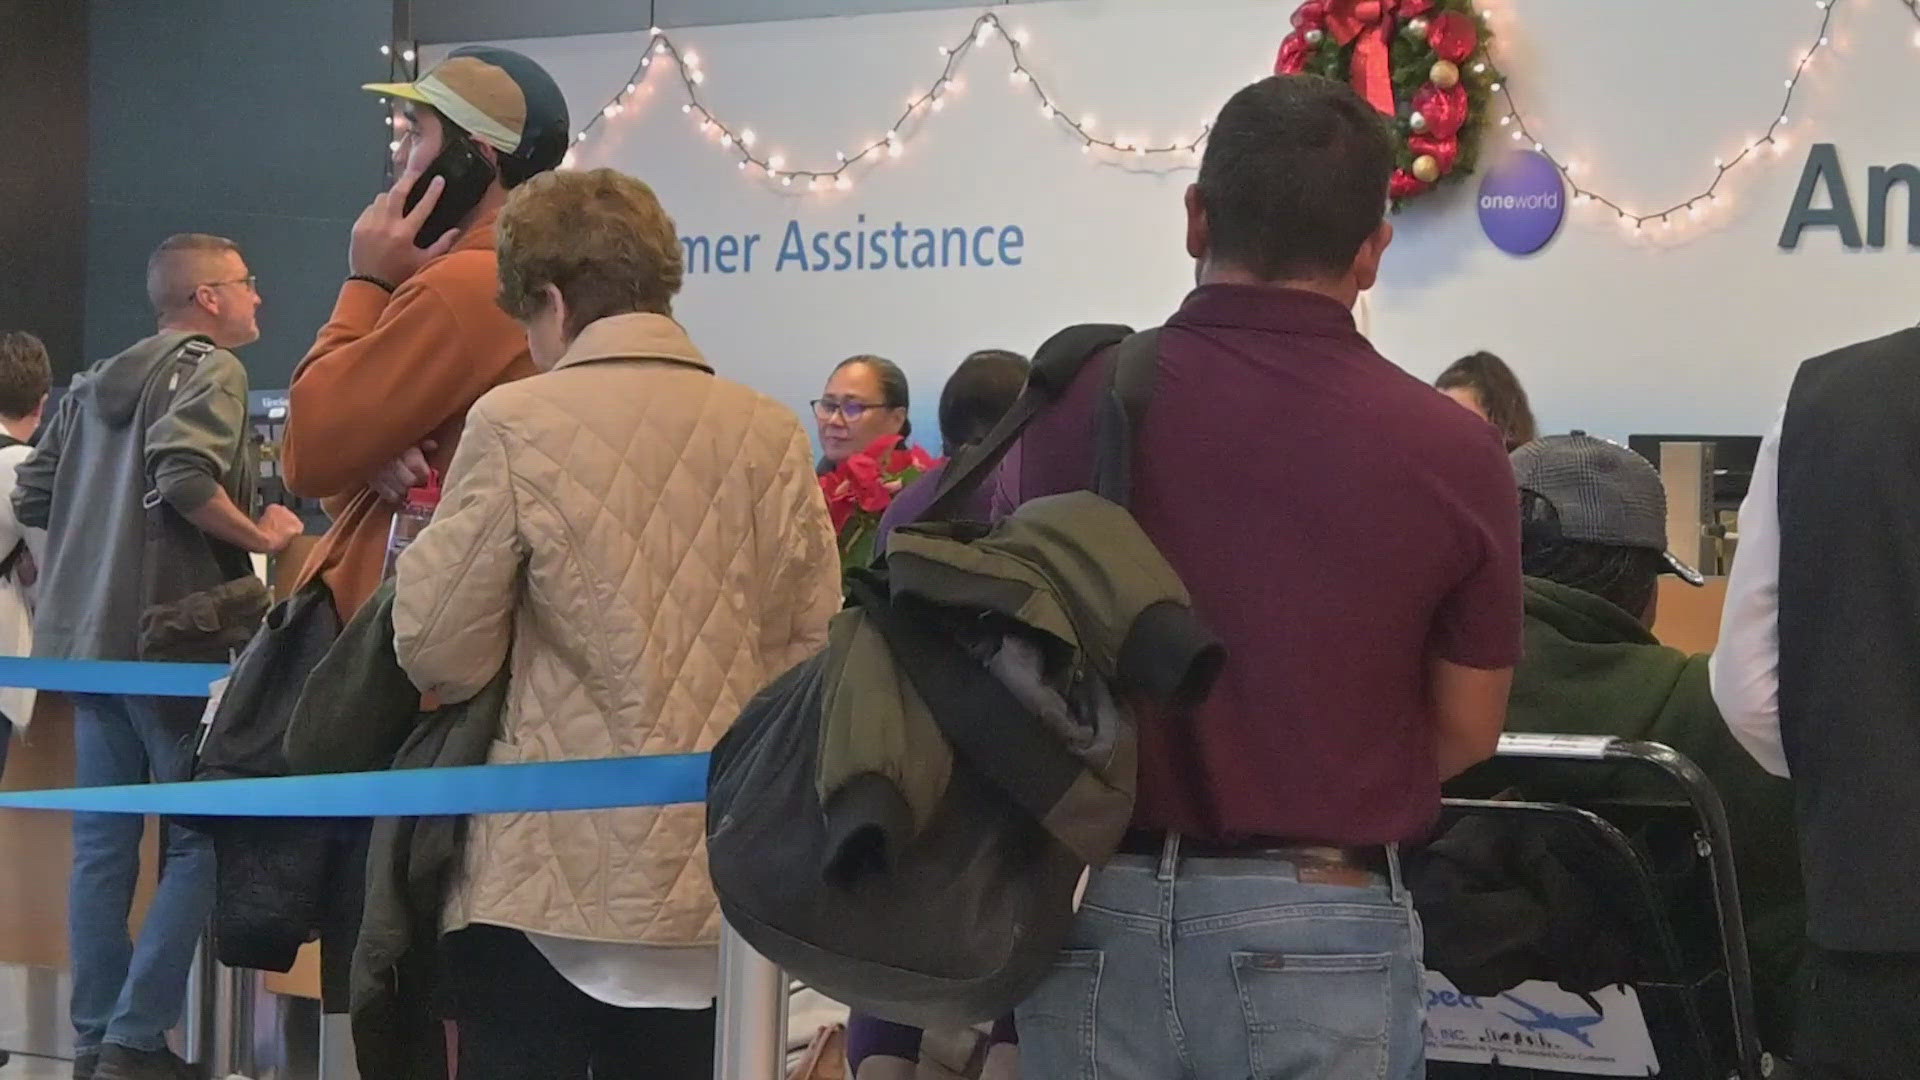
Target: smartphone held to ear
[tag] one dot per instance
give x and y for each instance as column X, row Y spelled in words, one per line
column 467, row 174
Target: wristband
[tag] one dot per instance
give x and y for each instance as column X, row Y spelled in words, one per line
column 371, row 280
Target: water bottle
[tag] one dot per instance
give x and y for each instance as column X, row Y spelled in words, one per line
column 412, row 517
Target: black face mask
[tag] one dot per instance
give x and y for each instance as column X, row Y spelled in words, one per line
column 468, row 175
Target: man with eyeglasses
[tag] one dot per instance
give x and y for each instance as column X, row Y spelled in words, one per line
column 164, row 422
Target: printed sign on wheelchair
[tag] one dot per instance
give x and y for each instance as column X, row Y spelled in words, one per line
column 1537, row 1025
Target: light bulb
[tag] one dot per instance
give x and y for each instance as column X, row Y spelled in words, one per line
column 1046, row 111
column 1783, row 118
column 608, row 112
column 1497, row 87
column 692, row 58
column 393, row 147
column 842, row 183
column 631, row 87
column 580, row 138
column 1539, row 148
column 706, row 126
column 944, row 51
column 1086, row 148
column 743, row 164
column 1087, row 124
column 698, row 77
column 747, row 137
column 1480, row 69
column 1021, row 36
column 892, row 135
column 1789, row 84
column 893, row 149
column 686, row 108
column 938, row 104
column 660, row 48
column 786, row 181
column 1506, row 120
column 386, row 50
column 646, row 62
column 407, row 56
column 775, row 162
column 1518, row 135
column 726, row 140
column 389, row 121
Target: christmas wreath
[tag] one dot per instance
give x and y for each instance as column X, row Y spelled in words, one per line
column 1421, row 62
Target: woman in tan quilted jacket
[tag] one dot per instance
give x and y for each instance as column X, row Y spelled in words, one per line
column 643, row 545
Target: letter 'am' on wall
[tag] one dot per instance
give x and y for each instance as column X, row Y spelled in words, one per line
column 1823, row 171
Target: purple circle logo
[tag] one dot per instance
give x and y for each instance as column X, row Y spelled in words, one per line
column 1522, row 202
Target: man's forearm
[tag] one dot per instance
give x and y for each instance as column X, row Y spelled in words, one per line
column 219, row 518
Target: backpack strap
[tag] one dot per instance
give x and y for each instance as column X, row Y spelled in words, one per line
column 1136, row 364
column 169, row 373
column 1055, row 367
column 12, row 559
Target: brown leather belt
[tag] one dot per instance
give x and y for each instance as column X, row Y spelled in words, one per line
column 1316, row 864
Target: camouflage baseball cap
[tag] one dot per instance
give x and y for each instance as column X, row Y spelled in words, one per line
column 1603, row 493
column 498, row 96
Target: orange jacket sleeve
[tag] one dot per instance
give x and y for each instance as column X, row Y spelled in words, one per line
column 384, row 373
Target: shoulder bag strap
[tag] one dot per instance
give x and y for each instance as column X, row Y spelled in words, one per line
column 1136, row 364
column 1054, row 368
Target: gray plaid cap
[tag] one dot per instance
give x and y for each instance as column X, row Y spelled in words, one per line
column 1603, row 492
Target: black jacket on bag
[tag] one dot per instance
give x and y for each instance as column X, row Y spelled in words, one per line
column 361, row 712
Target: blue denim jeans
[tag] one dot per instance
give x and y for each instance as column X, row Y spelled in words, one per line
column 1223, row 969
column 124, row 993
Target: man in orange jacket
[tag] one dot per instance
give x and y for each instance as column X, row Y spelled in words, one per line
column 415, row 337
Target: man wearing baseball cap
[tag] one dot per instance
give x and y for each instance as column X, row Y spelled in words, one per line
column 415, row 337
column 1593, row 548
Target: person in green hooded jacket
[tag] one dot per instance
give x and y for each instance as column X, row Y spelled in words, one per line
column 1593, row 549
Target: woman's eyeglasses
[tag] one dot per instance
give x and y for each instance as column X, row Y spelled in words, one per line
column 852, row 411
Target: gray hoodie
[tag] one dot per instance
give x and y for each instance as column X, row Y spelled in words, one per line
column 124, row 429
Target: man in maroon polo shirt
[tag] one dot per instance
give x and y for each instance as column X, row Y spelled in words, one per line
column 1354, row 539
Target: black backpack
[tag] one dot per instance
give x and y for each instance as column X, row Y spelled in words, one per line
column 963, row 922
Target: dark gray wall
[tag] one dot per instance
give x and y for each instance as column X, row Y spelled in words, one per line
column 43, row 172
column 484, row 20
column 237, row 117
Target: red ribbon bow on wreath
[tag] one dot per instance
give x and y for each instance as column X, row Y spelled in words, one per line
column 1369, row 22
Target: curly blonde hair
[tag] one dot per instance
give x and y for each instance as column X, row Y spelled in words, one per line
column 600, row 237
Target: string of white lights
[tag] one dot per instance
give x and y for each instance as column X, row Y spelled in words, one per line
column 1772, row 139
column 749, row 147
column 746, row 145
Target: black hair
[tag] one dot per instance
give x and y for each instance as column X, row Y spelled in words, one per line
column 1500, row 394
column 1626, row 577
column 1295, row 177
column 977, row 395
column 893, row 384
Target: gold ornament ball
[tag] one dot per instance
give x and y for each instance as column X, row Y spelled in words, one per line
column 1445, row 74
column 1426, row 168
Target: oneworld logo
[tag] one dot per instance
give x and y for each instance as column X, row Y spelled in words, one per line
column 1519, row 202
column 1522, row 202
